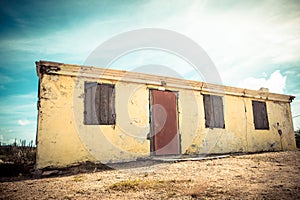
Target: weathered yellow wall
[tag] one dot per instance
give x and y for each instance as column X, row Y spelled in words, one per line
column 239, row 134
column 64, row 140
column 58, row 144
column 217, row 140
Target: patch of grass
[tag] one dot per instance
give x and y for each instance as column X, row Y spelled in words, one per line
column 196, row 192
column 205, row 191
column 127, row 185
column 78, row 178
column 137, row 185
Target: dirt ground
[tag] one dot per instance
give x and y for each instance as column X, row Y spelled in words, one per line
column 256, row 176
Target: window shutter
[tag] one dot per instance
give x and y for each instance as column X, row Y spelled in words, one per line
column 99, row 104
column 90, row 112
column 111, row 106
column 103, row 107
column 214, row 114
column 218, row 112
column 209, row 121
column 107, row 104
column 260, row 115
column 265, row 116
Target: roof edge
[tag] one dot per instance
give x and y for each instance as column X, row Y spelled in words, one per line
column 48, row 67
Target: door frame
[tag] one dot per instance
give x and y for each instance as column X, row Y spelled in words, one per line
column 151, row 138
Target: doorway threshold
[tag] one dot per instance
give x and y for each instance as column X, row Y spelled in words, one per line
column 185, row 158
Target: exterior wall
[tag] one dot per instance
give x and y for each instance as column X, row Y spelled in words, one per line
column 217, row 140
column 64, row 140
column 58, row 143
column 239, row 134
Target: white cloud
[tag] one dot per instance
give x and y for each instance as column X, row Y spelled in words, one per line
column 19, row 105
column 289, row 72
column 73, row 45
column 23, row 122
column 276, row 82
column 6, row 136
column 6, row 79
column 241, row 40
column 28, row 96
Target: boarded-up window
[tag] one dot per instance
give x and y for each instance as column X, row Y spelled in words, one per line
column 213, row 108
column 99, row 104
column 260, row 115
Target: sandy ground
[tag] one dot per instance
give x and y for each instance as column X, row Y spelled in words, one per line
column 257, row 176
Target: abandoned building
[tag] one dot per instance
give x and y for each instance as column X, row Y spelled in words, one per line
column 105, row 116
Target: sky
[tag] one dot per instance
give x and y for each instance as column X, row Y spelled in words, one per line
column 253, row 44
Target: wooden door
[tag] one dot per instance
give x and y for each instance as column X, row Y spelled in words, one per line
column 164, row 123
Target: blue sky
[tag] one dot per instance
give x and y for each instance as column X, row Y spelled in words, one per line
column 252, row 43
